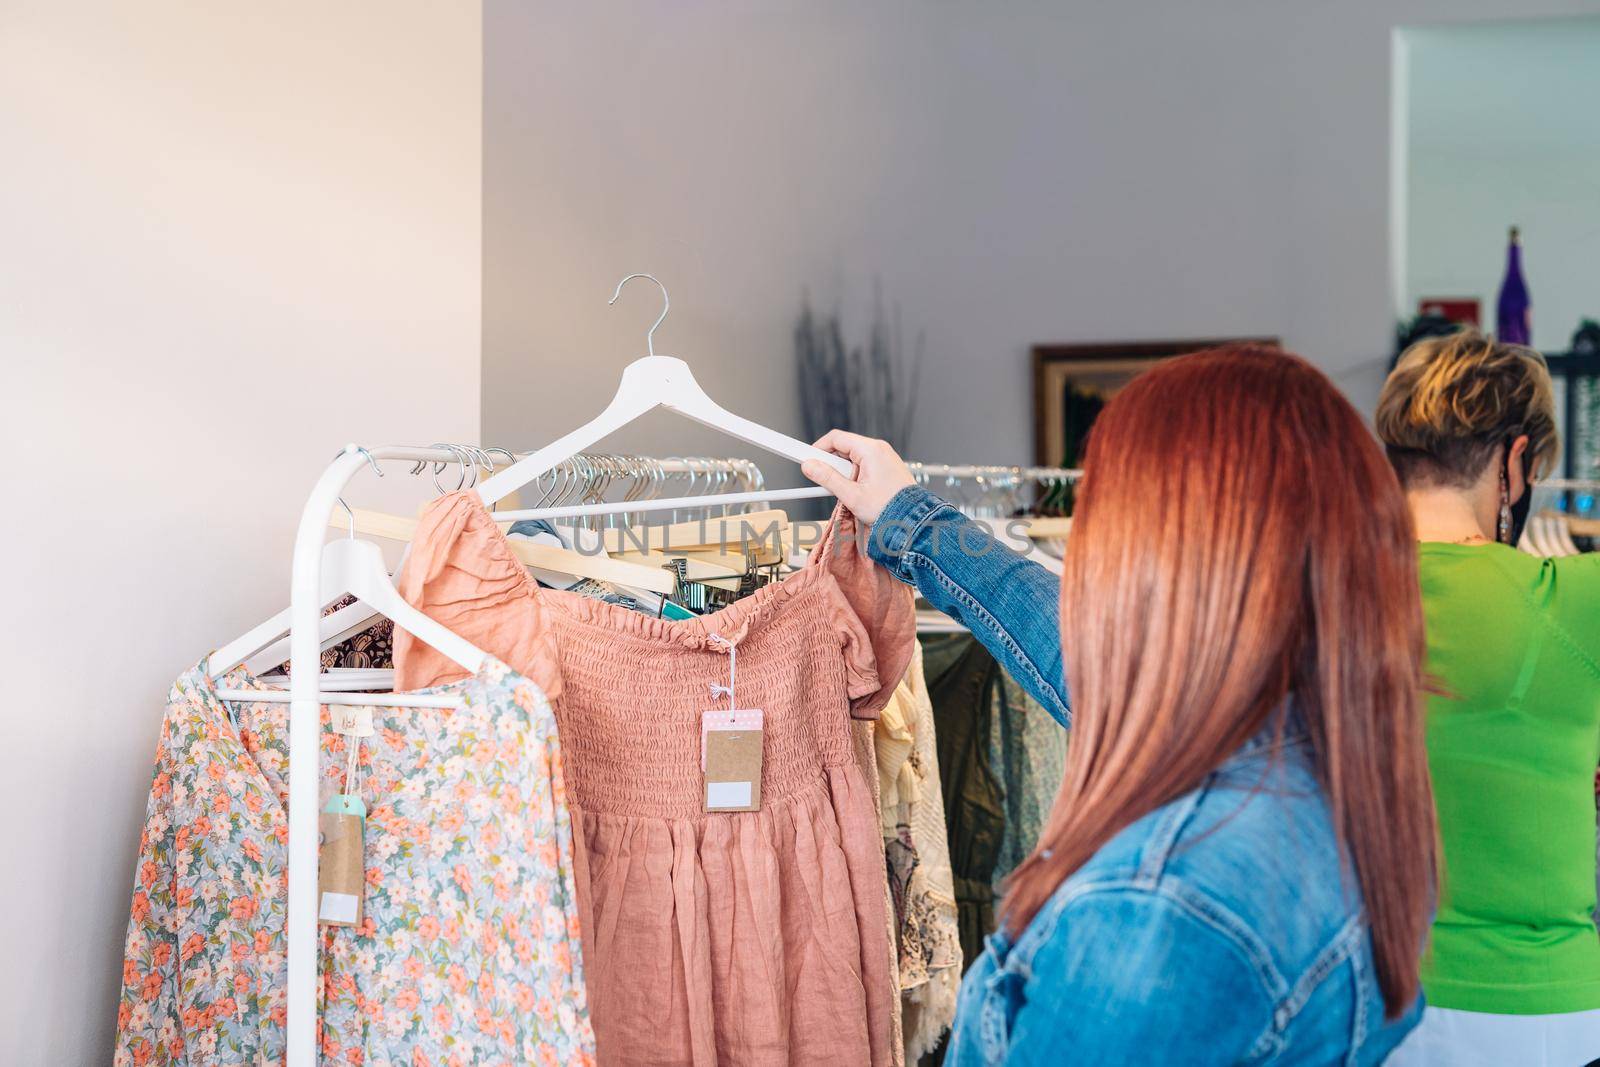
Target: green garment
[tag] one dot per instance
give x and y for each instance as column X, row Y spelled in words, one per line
column 1028, row 751
column 1512, row 744
column 962, row 677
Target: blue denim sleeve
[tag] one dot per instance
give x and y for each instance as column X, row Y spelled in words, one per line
column 1010, row 604
column 1129, row 975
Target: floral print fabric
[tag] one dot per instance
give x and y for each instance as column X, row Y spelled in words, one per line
column 468, row 949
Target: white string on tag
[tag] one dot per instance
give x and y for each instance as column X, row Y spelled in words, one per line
column 733, row 660
column 350, row 765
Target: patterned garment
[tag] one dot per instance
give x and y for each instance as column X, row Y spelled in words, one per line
column 372, row 647
column 929, row 933
column 468, row 949
column 1028, row 750
column 863, row 738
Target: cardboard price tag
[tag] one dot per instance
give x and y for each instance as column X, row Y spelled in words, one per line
column 341, row 861
column 733, row 763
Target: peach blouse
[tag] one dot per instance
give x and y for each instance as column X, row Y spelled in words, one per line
column 741, row 937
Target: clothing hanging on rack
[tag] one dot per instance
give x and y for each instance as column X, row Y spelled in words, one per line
column 372, row 648
column 862, row 737
column 1028, row 751
column 1003, row 757
column 737, row 937
column 929, row 937
column 961, row 676
column 467, row 944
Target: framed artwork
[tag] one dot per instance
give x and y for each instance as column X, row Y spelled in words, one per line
column 1072, row 382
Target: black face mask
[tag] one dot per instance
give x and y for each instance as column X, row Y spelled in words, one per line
column 1519, row 510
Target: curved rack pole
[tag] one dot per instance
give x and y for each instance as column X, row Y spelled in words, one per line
column 305, row 653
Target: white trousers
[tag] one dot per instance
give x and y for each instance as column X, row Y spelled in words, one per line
column 1450, row 1038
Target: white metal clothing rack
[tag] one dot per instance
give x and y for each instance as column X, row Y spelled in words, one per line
column 1577, row 484
column 305, row 701
column 967, row 470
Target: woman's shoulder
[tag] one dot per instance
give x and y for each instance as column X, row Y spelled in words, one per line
column 1496, row 585
column 1253, row 854
column 1495, row 564
column 1580, row 571
column 1234, row 891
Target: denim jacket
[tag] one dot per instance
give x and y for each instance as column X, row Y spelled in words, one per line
column 1217, row 929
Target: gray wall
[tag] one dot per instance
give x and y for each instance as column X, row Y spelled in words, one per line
column 1013, row 173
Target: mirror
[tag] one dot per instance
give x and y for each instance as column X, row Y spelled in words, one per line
column 1497, row 125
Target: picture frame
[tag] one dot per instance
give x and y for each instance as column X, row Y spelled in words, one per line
column 1071, row 382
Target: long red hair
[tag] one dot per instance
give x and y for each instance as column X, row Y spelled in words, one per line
column 1239, row 539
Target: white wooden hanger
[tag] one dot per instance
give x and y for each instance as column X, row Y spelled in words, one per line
column 648, row 383
column 357, row 568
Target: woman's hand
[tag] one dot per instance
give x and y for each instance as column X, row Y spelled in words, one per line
column 880, row 473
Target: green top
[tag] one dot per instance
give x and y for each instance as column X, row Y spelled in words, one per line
column 1513, row 745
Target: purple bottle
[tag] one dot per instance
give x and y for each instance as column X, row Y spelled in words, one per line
column 1514, row 313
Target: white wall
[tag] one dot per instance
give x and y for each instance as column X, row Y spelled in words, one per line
column 1014, row 173
column 232, row 238
column 1503, row 129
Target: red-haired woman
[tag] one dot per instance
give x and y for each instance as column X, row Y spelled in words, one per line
column 1240, row 863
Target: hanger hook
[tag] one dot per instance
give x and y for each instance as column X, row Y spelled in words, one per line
column 666, row 305
column 375, row 469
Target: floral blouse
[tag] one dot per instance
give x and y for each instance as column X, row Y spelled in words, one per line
column 468, row 948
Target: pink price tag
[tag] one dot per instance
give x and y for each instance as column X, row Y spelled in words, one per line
column 738, row 719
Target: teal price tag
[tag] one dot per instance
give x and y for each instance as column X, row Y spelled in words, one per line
column 343, row 804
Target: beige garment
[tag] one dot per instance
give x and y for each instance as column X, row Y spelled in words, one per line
column 724, row 938
column 930, row 955
column 864, row 736
column 898, row 780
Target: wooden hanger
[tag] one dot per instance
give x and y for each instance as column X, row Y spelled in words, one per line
column 532, row 554
column 716, row 533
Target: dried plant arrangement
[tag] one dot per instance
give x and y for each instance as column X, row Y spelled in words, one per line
column 870, row 389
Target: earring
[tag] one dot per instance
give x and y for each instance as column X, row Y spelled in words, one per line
column 1505, row 510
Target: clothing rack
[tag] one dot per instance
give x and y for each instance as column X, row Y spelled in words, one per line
column 305, row 682
column 306, row 694
column 1571, row 485
column 647, row 384
column 924, row 471
column 998, row 492
column 595, row 472
column 577, row 487
column 305, row 700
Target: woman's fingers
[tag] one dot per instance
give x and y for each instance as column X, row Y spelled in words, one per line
column 848, row 492
column 879, row 473
column 844, row 443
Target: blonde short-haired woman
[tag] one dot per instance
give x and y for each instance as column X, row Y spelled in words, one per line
column 1512, row 970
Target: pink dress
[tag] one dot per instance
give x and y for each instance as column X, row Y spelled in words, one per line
column 736, row 938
